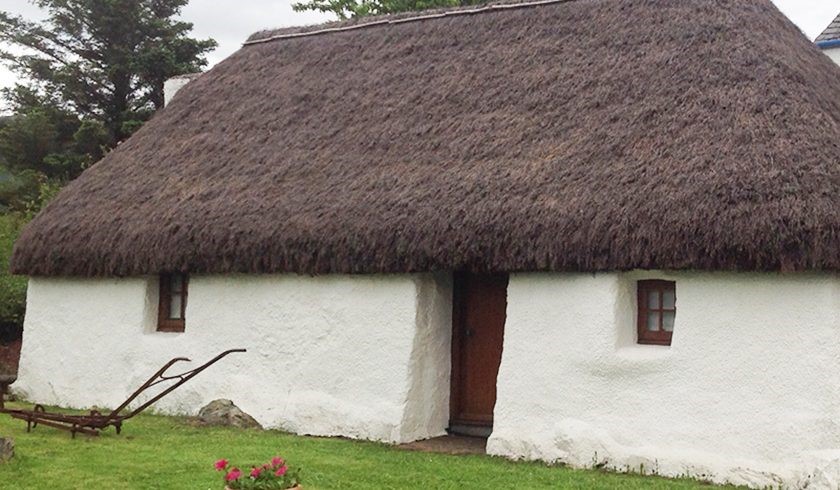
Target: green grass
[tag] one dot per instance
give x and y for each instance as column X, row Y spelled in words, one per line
column 172, row 453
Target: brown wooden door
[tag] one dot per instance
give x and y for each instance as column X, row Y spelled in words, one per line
column 480, row 301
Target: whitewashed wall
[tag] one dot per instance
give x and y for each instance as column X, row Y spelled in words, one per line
column 834, row 54
column 358, row 356
column 748, row 392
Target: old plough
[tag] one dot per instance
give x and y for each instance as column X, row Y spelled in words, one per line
column 94, row 421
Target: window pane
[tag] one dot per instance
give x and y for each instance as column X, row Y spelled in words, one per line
column 668, row 321
column 653, row 299
column 176, row 283
column 175, row 307
column 669, row 299
column 653, row 321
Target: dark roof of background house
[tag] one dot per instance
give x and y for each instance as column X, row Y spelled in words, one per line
column 583, row 136
column 831, row 33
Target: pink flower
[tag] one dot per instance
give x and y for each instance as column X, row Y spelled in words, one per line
column 281, row 471
column 233, row 475
column 277, row 461
column 221, row 464
column 255, row 473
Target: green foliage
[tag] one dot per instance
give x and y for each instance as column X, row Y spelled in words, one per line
column 102, row 60
column 360, row 8
column 17, row 190
column 47, row 190
column 170, row 453
column 27, row 139
column 94, row 72
column 51, row 142
column 12, row 288
column 43, row 145
column 90, row 139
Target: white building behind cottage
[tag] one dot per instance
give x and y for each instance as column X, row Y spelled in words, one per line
column 829, row 40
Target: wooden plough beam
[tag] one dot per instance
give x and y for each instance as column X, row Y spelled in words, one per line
column 95, row 421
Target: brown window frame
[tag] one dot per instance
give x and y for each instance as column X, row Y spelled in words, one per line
column 165, row 323
column 644, row 289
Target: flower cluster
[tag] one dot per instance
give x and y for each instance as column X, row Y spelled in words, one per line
column 274, row 475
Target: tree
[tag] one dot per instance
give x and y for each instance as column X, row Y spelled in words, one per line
column 360, row 8
column 41, row 144
column 93, row 71
column 101, row 60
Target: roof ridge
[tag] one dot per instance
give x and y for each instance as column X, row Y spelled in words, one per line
column 386, row 20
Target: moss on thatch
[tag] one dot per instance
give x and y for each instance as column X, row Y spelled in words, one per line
column 586, row 136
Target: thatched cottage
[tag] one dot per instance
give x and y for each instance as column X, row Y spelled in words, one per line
column 604, row 232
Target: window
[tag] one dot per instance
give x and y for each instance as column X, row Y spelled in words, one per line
column 657, row 311
column 173, row 302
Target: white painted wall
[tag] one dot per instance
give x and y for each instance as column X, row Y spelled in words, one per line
column 748, row 392
column 357, row 356
column 834, row 54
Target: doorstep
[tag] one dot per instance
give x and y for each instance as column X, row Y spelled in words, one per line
column 450, row 444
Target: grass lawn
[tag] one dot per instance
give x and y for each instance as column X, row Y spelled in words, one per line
column 170, row 452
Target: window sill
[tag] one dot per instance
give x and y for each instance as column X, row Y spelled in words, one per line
column 662, row 343
column 644, row 352
column 169, row 330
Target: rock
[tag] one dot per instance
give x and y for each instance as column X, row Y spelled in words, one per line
column 224, row 412
column 7, row 449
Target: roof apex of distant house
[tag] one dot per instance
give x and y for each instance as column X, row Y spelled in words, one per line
column 830, row 37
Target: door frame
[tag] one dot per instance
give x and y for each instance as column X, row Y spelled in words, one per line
column 456, row 374
column 455, row 381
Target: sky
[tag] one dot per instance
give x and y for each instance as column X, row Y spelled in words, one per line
column 229, row 23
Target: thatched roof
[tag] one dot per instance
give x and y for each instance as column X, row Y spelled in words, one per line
column 583, row 136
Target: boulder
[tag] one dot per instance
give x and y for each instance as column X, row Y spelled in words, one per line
column 224, row 412
column 7, row 449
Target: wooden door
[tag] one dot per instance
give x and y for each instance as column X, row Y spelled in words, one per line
column 480, row 301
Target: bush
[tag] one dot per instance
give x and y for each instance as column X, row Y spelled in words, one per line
column 12, row 288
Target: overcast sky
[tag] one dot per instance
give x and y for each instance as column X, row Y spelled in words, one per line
column 230, row 23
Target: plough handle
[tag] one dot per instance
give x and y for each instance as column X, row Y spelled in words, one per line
column 158, row 376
